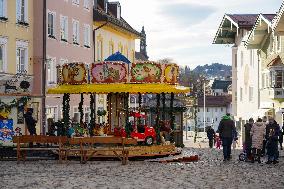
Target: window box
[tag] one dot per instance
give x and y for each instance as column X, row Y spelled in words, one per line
column 65, row 40
column 23, row 23
column 51, row 36
column 87, row 46
column 75, row 43
column 3, row 19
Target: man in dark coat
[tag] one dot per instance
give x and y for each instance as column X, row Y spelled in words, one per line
column 30, row 122
column 248, row 141
column 210, row 136
column 226, row 131
column 272, row 134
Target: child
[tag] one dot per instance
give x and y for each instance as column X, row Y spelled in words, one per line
column 218, row 142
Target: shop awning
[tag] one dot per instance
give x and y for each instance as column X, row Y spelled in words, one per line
column 119, row 88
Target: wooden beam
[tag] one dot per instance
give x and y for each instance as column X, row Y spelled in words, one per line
column 226, row 40
column 254, row 47
column 234, row 29
column 260, row 32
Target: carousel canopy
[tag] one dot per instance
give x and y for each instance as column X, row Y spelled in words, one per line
column 118, row 57
column 133, row 88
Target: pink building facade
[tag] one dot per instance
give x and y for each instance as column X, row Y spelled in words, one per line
column 69, row 38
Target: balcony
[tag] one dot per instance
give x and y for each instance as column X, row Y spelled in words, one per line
column 276, row 93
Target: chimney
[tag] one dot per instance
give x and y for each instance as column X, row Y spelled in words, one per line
column 115, row 9
column 101, row 4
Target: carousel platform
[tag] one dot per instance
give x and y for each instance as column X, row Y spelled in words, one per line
column 134, row 152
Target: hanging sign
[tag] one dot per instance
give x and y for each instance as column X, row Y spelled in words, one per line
column 147, row 72
column 16, row 84
column 108, row 72
column 74, row 73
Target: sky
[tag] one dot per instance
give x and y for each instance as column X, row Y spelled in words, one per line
column 184, row 29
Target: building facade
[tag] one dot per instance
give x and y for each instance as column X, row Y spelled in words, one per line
column 234, row 29
column 17, row 62
column 69, row 39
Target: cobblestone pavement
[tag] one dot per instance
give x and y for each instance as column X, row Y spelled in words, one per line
column 209, row 172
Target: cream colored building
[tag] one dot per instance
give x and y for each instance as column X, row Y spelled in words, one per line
column 16, row 57
column 234, row 30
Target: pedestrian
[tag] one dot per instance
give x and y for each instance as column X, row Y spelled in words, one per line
column 218, row 142
column 30, row 121
column 210, row 136
column 225, row 129
column 263, row 152
column 248, row 139
column 257, row 135
column 281, row 138
column 272, row 134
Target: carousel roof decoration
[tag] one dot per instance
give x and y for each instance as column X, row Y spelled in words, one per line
column 118, row 57
column 116, row 77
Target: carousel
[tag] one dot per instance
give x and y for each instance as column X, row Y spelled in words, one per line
column 117, row 80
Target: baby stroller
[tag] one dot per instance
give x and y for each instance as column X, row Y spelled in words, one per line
column 244, row 155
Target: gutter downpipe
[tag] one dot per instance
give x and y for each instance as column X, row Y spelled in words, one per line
column 44, row 71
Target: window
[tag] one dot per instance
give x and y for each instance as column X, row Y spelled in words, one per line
column 99, row 50
column 75, row 2
column 86, row 4
column 76, row 114
column 263, row 80
column 87, row 31
column 198, row 110
column 236, row 96
column 271, row 46
column 241, row 94
column 208, row 119
column 76, row 32
column 251, row 57
column 221, row 109
column 216, row 119
column 278, row 79
column 51, row 71
column 87, row 113
column 111, row 48
column 242, row 58
column 250, row 93
column 52, row 113
column 22, row 56
column 3, row 9
column 216, row 109
column 3, row 61
column 51, row 25
column 120, row 48
column 64, row 28
column 207, row 110
column 22, row 12
column 278, row 41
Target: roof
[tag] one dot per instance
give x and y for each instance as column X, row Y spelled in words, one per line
column 278, row 20
column 119, row 88
column 221, row 84
column 215, row 101
column 260, row 30
column 230, row 26
column 140, row 56
column 100, row 15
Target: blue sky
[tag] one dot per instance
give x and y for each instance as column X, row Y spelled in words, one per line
column 184, row 29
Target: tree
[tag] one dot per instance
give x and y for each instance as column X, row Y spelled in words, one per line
column 196, row 82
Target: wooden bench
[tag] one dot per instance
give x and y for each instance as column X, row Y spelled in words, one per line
column 39, row 139
column 85, row 147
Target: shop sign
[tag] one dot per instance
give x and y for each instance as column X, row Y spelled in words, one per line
column 171, row 74
column 16, row 84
